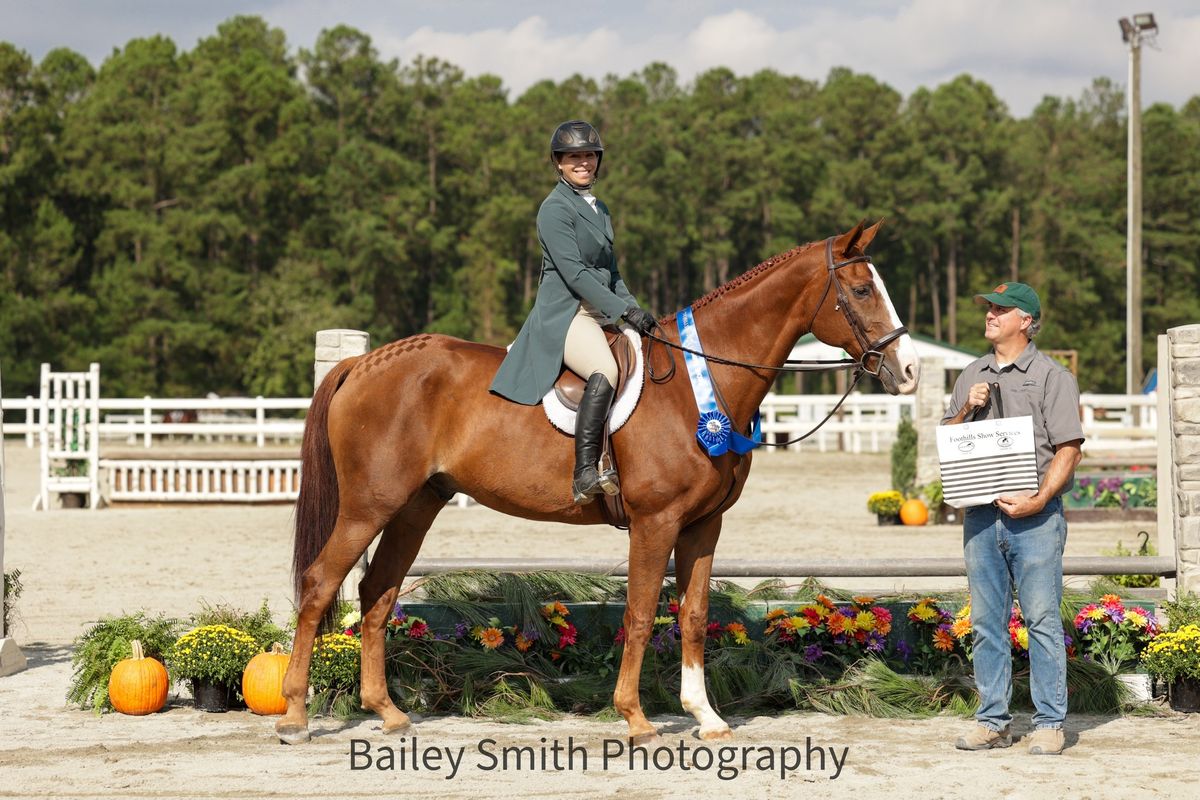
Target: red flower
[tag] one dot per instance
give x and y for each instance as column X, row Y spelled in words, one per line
column 418, row 630
column 812, row 615
column 620, row 637
column 567, row 637
column 673, row 607
column 714, row 630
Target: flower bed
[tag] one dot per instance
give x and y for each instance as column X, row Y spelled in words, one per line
column 815, row 648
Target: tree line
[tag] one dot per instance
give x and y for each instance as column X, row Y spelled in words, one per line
column 190, row 218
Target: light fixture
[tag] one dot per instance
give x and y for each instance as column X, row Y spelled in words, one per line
column 1144, row 22
column 1126, row 29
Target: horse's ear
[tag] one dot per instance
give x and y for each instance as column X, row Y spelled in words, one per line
column 847, row 240
column 868, row 235
column 859, row 237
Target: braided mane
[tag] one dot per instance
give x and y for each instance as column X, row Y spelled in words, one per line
column 750, row 275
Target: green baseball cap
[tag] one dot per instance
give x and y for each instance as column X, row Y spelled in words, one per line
column 1013, row 294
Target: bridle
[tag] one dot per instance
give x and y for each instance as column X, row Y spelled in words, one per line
column 872, row 350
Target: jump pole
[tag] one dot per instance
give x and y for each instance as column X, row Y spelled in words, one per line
column 11, row 658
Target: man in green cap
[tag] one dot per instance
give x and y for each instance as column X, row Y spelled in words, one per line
column 1018, row 541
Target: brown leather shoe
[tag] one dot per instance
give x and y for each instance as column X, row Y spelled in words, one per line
column 982, row 737
column 1046, row 742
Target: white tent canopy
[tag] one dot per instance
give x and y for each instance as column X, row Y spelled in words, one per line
column 810, row 348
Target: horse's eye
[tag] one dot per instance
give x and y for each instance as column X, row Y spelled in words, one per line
column 862, row 291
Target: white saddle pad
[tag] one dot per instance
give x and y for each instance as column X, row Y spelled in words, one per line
column 563, row 418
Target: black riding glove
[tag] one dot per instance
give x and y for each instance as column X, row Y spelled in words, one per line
column 641, row 319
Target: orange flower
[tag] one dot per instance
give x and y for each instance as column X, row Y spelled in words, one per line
column 825, row 601
column 864, row 601
column 777, row 612
column 942, row 640
column 961, row 627
column 837, row 623
column 523, row 644
column 491, row 638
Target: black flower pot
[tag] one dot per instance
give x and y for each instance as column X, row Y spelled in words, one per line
column 887, row 519
column 210, row 696
column 1185, row 695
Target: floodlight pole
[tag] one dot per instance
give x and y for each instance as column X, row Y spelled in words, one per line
column 1133, row 237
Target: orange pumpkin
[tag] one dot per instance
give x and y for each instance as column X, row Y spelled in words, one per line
column 138, row 685
column 262, row 681
column 914, row 512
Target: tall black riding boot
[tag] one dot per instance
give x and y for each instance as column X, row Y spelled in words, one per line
column 590, row 422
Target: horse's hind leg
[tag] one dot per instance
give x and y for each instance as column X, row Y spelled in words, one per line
column 693, row 569
column 398, row 548
column 319, row 585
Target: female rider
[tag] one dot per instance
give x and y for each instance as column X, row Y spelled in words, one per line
column 580, row 290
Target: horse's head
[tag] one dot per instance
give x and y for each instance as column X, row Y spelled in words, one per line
column 856, row 314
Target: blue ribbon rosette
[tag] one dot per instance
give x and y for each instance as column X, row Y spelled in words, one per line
column 714, row 430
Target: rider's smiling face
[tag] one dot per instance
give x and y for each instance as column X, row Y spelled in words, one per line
column 578, row 168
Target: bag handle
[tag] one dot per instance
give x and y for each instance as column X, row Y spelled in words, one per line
column 993, row 393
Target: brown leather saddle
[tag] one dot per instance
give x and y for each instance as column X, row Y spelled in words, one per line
column 569, row 390
column 569, row 386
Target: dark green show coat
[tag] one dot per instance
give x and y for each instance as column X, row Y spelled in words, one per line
column 577, row 262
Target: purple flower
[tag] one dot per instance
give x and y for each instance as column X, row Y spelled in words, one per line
column 905, row 650
column 813, row 653
column 460, row 630
column 531, row 634
column 398, row 613
column 1085, row 625
column 875, row 642
column 1084, row 483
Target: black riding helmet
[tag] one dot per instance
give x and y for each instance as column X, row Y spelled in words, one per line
column 576, row 136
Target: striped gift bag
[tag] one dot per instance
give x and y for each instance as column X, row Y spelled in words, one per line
column 983, row 460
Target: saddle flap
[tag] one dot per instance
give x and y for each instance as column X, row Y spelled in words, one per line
column 569, row 386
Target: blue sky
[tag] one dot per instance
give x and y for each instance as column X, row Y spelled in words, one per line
column 1024, row 49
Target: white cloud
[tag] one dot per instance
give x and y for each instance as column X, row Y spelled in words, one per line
column 1023, row 49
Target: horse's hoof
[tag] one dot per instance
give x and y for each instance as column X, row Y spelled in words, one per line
column 645, row 739
column 716, row 734
column 292, row 734
column 397, row 727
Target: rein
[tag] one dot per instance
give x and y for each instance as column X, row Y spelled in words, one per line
column 861, row 366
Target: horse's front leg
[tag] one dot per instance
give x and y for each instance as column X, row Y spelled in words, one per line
column 650, row 545
column 693, row 569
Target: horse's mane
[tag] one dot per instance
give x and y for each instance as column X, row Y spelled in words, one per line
column 750, row 275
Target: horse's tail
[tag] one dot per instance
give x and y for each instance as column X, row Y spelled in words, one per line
column 317, row 505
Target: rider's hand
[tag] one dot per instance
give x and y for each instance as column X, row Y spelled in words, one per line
column 641, row 319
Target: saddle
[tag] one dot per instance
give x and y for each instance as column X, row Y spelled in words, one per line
column 569, row 386
column 568, row 389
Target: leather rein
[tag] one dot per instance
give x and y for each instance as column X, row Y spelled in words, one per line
column 872, row 350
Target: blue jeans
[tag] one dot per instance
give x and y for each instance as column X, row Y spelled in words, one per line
column 1002, row 552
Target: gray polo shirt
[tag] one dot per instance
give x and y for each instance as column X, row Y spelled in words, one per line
column 1034, row 385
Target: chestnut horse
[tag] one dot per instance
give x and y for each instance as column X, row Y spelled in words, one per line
column 392, row 434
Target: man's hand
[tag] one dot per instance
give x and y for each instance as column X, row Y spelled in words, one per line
column 977, row 395
column 1017, row 507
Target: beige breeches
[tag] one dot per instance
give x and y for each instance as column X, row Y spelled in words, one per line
column 586, row 351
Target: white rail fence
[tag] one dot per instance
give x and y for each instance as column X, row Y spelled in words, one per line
column 865, row 423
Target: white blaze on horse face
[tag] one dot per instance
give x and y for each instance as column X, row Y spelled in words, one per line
column 693, row 696
column 906, row 352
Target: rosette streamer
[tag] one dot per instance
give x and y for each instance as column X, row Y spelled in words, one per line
column 714, row 430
